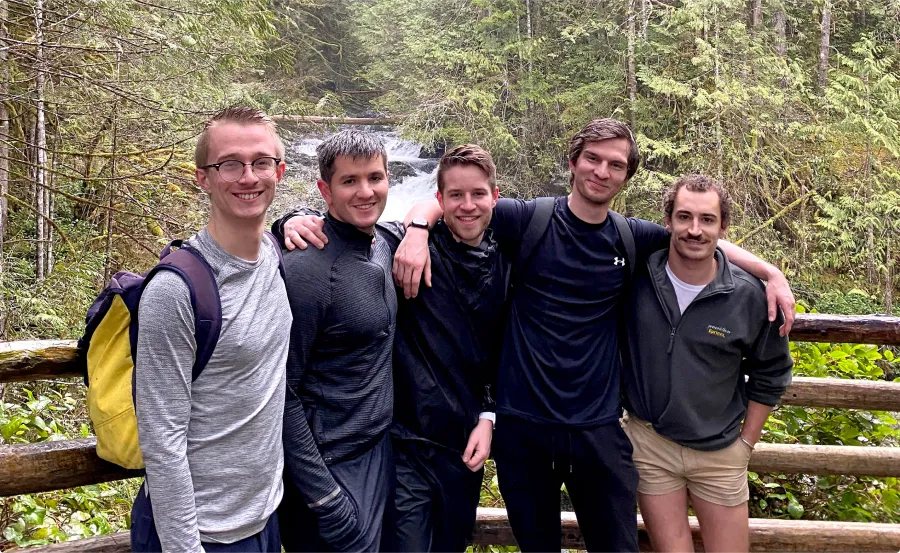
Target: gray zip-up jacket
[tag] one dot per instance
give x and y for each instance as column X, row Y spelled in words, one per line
column 684, row 373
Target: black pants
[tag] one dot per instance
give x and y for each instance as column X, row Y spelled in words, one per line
column 534, row 460
column 367, row 479
column 144, row 537
column 434, row 502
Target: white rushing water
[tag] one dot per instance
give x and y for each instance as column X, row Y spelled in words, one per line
column 410, row 190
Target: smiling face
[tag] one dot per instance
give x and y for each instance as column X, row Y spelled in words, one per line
column 600, row 171
column 468, row 201
column 357, row 192
column 696, row 225
column 247, row 198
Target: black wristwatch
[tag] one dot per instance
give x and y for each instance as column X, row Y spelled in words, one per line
column 418, row 222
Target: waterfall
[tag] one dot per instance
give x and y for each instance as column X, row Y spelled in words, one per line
column 413, row 177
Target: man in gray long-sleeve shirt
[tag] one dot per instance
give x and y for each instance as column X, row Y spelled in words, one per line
column 696, row 326
column 213, row 446
column 338, row 462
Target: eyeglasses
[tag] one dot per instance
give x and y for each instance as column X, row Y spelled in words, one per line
column 232, row 169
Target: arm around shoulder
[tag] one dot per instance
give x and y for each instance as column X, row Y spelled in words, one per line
column 778, row 291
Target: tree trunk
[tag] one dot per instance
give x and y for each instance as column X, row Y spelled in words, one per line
column 889, row 276
column 781, row 38
column 825, row 45
column 530, row 32
column 645, row 18
column 756, row 14
column 40, row 141
column 49, row 201
column 4, row 154
column 632, row 76
column 110, row 214
column 781, row 32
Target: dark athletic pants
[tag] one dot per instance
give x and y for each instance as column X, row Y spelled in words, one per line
column 367, row 479
column 534, row 460
column 434, row 502
column 144, row 537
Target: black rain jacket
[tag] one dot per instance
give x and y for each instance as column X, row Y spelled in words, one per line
column 448, row 342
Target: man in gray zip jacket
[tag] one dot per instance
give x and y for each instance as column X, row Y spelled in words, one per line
column 692, row 419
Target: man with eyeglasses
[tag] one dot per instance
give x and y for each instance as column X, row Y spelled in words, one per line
column 212, row 446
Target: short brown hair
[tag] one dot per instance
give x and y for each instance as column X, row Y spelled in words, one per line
column 243, row 115
column 699, row 183
column 467, row 154
column 352, row 143
column 606, row 129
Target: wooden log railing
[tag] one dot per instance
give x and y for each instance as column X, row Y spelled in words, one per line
column 31, row 468
column 492, row 528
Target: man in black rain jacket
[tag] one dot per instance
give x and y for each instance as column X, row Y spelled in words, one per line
column 446, row 353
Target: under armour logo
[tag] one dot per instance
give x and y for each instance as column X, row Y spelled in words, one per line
column 619, row 261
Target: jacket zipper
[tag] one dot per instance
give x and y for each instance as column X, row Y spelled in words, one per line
column 663, row 304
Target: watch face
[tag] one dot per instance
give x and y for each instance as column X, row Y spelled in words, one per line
column 419, row 222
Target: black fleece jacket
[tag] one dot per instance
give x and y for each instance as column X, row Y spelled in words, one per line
column 448, row 339
column 684, row 373
column 339, row 387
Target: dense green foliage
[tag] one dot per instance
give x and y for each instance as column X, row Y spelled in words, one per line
column 104, row 98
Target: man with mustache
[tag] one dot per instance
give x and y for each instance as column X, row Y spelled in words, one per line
column 445, row 360
column 692, row 419
column 558, row 404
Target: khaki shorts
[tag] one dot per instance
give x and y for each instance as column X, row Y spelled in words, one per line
column 664, row 466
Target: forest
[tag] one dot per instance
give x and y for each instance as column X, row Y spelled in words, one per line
column 795, row 105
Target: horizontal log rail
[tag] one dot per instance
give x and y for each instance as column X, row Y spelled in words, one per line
column 47, row 466
column 492, row 528
column 31, row 360
column 852, row 329
column 868, row 395
column 330, row 120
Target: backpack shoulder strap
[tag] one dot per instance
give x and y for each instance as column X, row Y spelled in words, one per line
column 537, row 226
column 627, row 238
column 207, row 305
column 278, row 250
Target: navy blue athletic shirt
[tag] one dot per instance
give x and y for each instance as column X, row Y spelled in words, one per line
column 560, row 362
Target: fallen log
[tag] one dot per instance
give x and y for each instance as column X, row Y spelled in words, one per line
column 492, row 528
column 47, row 466
column 330, row 120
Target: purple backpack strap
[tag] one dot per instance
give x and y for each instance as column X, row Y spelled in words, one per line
column 201, row 282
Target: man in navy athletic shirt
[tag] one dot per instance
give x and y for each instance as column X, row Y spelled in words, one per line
column 558, row 403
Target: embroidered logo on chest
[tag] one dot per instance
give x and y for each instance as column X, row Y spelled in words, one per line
column 719, row 331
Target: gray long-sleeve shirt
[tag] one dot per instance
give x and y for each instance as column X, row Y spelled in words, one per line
column 213, row 447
